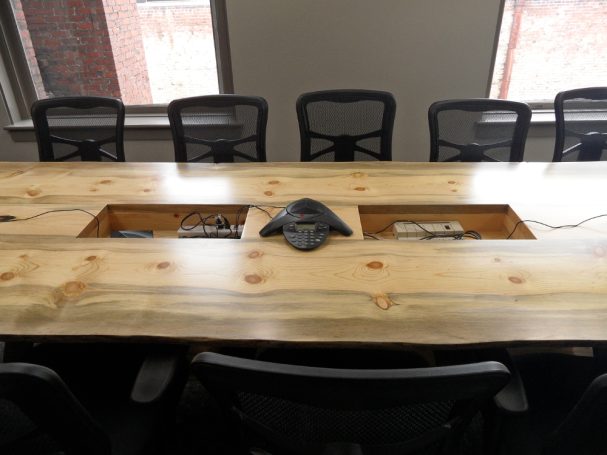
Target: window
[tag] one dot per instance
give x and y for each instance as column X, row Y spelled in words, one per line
column 546, row 46
column 145, row 52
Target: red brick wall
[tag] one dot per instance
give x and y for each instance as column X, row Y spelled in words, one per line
column 127, row 47
column 78, row 54
column 560, row 45
column 173, row 33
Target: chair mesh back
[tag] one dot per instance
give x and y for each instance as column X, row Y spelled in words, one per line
column 19, row 435
column 69, row 130
column 344, row 125
column 297, row 409
column 311, row 424
column 218, row 129
column 581, row 125
column 477, row 130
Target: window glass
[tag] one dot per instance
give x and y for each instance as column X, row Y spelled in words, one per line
column 546, row 46
column 145, row 52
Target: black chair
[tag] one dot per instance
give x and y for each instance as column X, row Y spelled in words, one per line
column 219, row 128
column 567, row 407
column 346, row 125
column 581, row 124
column 88, row 128
column 39, row 415
column 288, row 409
column 474, row 130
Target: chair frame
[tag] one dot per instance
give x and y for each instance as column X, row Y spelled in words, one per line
column 475, row 152
column 222, row 150
column 344, row 146
column 350, row 389
column 46, row 399
column 591, row 145
column 88, row 150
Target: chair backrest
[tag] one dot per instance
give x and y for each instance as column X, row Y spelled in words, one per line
column 39, row 415
column 475, row 130
column 219, row 128
column 307, row 410
column 87, row 128
column 583, row 431
column 346, row 125
column 581, row 124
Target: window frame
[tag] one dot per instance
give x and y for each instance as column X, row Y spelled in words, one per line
column 23, row 90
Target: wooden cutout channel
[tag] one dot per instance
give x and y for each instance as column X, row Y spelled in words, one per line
column 491, row 221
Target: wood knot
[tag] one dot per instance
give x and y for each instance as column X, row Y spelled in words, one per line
column 516, row 280
column 163, row 265
column 255, row 254
column 93, row 190
column 375, row 265
column 105, row 182
column 33, row 192
column 146, row 190
column 451, row 182
column 73, row 288
column 91, row 258
column 497, row 260
column 358, row 175
column 268, row 193
column 360, row 188
column 253, row 278
column 454, row 191
column 383, row 302
column 273, row 182
column 7, row 276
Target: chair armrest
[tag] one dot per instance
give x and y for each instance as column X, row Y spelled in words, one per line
column 158, row 372
column 512, row 399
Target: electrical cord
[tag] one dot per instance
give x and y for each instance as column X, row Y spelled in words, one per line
column 12, row 219
column 221, row 221
column 563, row 226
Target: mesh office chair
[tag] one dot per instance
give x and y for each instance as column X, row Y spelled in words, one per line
column 219, row 128
column 581, row 124
column 346, row 125
column 475, row 130
column 288, row 409
column 88, row 128
column 39, row 415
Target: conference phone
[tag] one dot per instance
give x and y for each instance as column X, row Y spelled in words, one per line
column 306, row 224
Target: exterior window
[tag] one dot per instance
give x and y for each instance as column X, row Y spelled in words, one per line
column 546, row 46
column 145, row 52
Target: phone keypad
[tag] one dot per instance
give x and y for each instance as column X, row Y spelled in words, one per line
column 306, row 239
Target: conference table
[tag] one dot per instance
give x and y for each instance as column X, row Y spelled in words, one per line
column 63, row 278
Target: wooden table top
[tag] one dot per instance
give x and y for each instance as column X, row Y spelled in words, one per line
column 552, row 290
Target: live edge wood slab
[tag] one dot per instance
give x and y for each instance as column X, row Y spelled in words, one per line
column 546, row 287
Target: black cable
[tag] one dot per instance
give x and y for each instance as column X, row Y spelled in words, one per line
column 8, row 219
column 563, row 226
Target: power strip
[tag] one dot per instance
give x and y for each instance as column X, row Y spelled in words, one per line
column 423, row 229
column 211, row 232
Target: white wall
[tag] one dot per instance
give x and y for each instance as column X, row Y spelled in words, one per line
column 420, row 50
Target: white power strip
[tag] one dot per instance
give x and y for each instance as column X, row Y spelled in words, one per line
column 211, row 232
column 424, row 229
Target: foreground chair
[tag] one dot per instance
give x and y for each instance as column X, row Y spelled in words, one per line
column 346, row 125
column 87, row 128
column 475, row 130
column 39, row 415
column 219, row 128
column 288, row 409
column 581, row 124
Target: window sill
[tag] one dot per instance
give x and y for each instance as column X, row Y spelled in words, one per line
column 140, row 127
